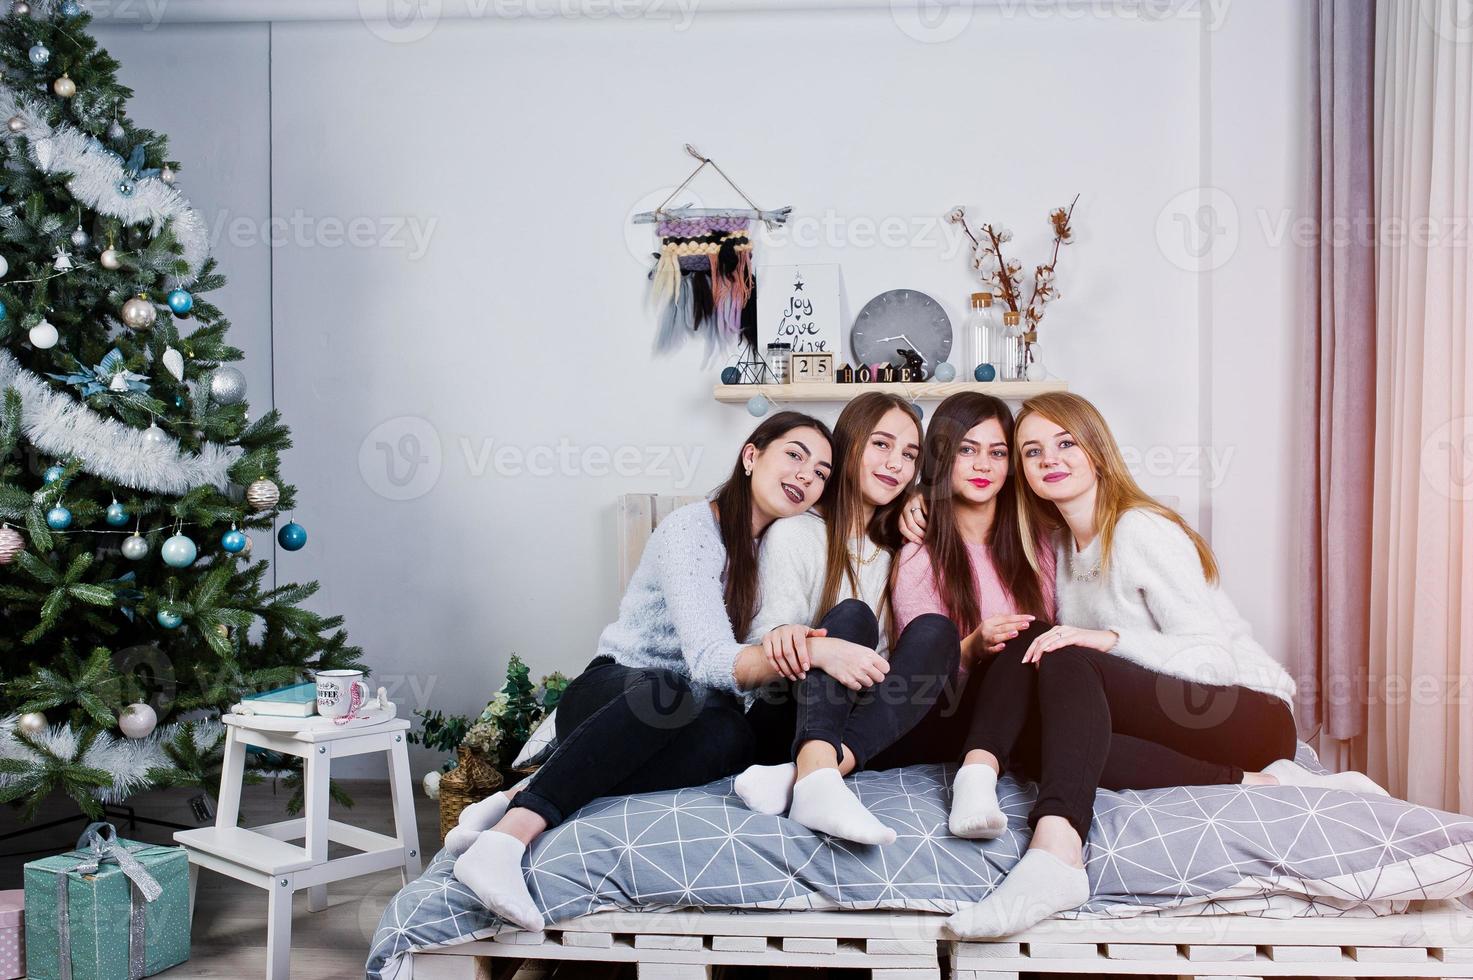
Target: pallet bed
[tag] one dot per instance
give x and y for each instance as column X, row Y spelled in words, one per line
column 1436, row 942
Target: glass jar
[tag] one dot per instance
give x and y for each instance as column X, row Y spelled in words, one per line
column 982, row 333
column 777, row 361
column 1014, row 364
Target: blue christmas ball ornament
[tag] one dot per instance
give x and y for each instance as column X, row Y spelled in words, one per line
column 180, row 301
column 3, row 311
column 178, row 401
column 730, row 376
column 920, row 412
column 117, row 514
column 757, row 406
column 179, row 551
column 985, row 372
column 945, row 371
column 71, row 9
column 233, row 541
column 52, row 474
column 58, row 518
column 292, row 537
column 169, row 619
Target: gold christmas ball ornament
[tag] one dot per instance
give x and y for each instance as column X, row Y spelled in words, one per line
column 110, row 259
column 64, row 87
column 139, row 313
column 222, row 631
column 262, row 494
column 32, row 723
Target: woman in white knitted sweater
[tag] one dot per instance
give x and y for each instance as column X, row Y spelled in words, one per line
column 1148, row 648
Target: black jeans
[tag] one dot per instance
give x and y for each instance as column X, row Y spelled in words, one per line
column 635, row 730
column 787, row 714
column 1105, row 721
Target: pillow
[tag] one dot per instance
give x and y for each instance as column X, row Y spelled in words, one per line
column 540, row 744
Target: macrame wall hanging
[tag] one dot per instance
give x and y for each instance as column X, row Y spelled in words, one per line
column 702, row 283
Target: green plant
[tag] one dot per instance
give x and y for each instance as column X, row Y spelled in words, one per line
column 440, row 732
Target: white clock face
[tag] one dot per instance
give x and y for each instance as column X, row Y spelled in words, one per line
column 901, row 319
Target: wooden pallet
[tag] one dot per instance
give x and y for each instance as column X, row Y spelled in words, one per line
column 910, row 946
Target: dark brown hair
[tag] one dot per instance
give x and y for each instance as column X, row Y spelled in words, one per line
column 733, row 501
column 951, row 565
column 843, row 496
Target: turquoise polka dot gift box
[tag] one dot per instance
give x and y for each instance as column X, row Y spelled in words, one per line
column 112, row 909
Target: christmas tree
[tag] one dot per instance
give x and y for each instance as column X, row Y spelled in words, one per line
column 131, row 476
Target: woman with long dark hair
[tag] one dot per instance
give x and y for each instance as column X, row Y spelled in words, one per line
column 824, row 577
column 661, row 706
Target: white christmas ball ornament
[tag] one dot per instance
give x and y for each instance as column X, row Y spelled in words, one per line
column 11, row 544
column 138, row 720
column 32, row 723
column 135, row 547
column 153, row 436
column 262, row 494
column 4, row 267
column 431, row 784
column 139, row 313
column 109, row 258
column 43, row 336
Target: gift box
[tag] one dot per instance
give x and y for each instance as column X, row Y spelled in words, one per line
column 112, row 909
column 12, row 934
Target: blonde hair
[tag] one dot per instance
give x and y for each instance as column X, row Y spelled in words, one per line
column 1117, row 490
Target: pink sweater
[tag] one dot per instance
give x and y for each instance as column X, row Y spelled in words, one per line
column 915, row 594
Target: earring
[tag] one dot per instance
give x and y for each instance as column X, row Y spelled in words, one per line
column 749, row 471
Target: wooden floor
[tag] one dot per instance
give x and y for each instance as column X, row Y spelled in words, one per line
column 229, row 921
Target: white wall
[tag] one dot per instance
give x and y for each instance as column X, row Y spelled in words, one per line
column 520, row 148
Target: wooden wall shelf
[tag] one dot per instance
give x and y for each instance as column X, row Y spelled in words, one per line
column 1011, row 391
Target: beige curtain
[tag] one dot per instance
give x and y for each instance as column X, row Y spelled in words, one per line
column 1419, row 727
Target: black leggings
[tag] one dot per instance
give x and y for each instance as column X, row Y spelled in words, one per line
column 1105, row 721
column 635, row 730
column 787, row 714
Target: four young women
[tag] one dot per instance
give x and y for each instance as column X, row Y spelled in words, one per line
column 1063, row 624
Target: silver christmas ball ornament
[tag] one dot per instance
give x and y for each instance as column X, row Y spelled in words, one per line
column 139, row 313
column 115, row 130
column 262, row 495
column 80, row 238
column 16, row 124
column 166, row 174
column 138, row 720
column 11, row 544
column 153, row 436
column 20, row 9
column 64, row 86
column 32, row 723
column 227, row 385
column 135, row 547
column 4, row 267
column 39, row 54
column 110, row 259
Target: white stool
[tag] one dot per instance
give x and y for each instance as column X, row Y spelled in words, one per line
column 262, row 856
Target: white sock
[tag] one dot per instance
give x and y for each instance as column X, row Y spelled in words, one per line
column 492, row 868
column 1290, row 773
column 479, row 816
column 974, row 809
column 823, row 803
column 1038, row 886
column 766, row 789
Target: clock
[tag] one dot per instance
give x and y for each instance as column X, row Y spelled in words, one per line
column 901, row 319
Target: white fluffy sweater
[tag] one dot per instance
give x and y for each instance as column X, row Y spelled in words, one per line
column 790, row 575
column 1169, row 618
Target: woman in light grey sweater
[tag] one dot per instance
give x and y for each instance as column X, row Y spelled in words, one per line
column 661, row 706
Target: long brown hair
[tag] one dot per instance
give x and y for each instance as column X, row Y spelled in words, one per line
column 843, row 496
column 1117, row 490
column 951, row 564
column 733, row 501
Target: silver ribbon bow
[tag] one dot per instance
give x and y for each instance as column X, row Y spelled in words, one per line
column 99, row 843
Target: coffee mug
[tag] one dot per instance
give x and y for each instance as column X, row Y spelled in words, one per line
column 340, row 693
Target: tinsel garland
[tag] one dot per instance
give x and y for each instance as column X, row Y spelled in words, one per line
column 97, row 173
column 62, row 427
column 127, row 760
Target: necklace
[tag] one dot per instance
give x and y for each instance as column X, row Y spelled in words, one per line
column 870, row 559
column 1091, row 571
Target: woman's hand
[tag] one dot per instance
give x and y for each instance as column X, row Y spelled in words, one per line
column 854, row 666
column 995, row 631
column 1070, row 636
column 913, row 520
column 787, row 652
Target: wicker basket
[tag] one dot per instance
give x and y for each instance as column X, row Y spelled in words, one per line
column 471, row 781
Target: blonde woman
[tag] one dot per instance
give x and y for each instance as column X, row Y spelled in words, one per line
column 1148, row 648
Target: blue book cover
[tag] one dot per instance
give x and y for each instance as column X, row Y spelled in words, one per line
column 296, row 701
